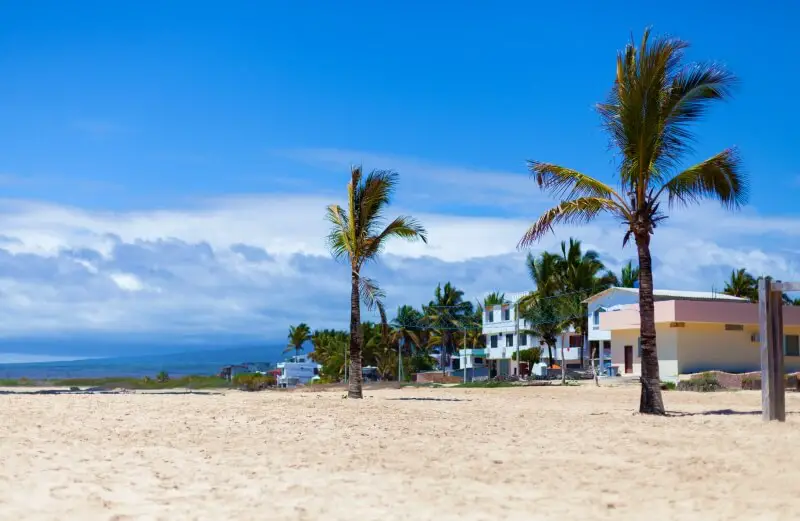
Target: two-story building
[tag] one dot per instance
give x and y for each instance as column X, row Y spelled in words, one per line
column 506, row 333
column 616, row 298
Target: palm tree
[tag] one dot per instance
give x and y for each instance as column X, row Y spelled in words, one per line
column 647, row 115
column 742, row 284
column 445, row 316
column 359, row 235
column 495, row 299
column 539, row 308
column 628, row 277
column 298, row 335
column 406, row 327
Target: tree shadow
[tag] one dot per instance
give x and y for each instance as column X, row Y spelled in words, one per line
column 431, row 399
column 719, row 412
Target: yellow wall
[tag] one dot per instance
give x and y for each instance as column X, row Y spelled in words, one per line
column 704, row 347
column 666, row 340
column 697, row 347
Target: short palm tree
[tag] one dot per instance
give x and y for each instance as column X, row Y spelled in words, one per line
column 648, row 113
column 359, row 234
column 406, row 327
column 742, row 284
column 445, row 316
column 298, row 335
column 629, row 276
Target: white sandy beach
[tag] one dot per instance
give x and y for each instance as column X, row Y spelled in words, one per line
column 444, row 454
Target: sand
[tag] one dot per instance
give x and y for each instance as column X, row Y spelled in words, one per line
column 445, row 454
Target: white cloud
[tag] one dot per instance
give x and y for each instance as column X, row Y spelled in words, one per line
column 255, row 264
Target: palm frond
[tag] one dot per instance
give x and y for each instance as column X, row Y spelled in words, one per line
column 371, row 294
column 565, row 183
column 576, row 211
column 402, row 227
column 375, row 195
column 339, row 239
column 719, row 177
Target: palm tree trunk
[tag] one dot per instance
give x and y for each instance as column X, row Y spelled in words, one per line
column 356, row 378
column 550, row 355
column 651, row 401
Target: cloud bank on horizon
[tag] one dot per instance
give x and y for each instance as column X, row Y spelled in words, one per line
column 254, row 264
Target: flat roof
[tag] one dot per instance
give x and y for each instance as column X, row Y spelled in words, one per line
column 670, row 293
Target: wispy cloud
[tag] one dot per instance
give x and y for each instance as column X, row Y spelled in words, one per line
column 432, row 182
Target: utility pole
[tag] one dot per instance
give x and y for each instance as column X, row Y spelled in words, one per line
column 400, row 374
column 465, row 354
column 516, row 335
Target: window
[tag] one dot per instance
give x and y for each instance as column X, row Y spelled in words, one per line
column 596, row 317
column 791, row 345
column 509, row 340
column 478, row 360
column 575, row 341
column 493, row 341
column 523, row 339
column 489, row 314
column 507, row 314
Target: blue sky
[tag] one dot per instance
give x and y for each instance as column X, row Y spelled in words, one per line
column 165, row 167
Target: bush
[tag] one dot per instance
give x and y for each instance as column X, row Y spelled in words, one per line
column 704, row 383
column 162, row 377
column 253, row 382
column 668, row 386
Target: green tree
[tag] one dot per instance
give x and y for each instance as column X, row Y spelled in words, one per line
column 358, row 235
column 628, row 277
column 298, row 335
column 406, row 327
column 445, row 316
column 654, row 100
column 742, row 284
column 541, row 308
column 495, row 299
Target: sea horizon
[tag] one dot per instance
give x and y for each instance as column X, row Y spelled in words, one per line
column 176, row 364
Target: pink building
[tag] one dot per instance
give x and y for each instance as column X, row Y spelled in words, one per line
column 695, row 336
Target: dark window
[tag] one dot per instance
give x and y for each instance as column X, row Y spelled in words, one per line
column 575, row 341
column 489, row 314
column 523, row 339
column 792, row 345
column 509, row 340
column 478, row 360
column 316, row 370
column 493, row 341
column 506, row 314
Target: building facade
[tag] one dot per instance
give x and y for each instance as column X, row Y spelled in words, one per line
column 697, row 336
column 616, row 298
column 506, row 333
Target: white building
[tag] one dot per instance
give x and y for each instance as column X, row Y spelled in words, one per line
column 616, row 298
column 505, row 332
column 298, row 370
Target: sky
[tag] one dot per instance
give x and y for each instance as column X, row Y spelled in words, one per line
column 166, row 165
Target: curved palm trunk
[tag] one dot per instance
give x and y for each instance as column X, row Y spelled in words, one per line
column 356, row 377
column 650, row 401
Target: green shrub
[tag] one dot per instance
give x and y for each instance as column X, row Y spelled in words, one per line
column 162, row 377
column 253, row 382
column 704, row 383
column 668, row 386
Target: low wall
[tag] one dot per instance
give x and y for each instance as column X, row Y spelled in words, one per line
column 749, row 381
column 436, row 378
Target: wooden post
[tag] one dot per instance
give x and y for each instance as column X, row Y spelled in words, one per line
column 770, row 318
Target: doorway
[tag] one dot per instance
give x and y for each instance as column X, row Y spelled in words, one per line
column 628, row 359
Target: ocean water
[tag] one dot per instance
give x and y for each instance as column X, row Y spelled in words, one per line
column 176, row 364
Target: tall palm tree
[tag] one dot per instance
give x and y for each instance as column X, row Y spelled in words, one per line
column 445, row 316
column 648, row 113
column 539, row 307
column 359, row 235
column 742, row 284
column 298, row 335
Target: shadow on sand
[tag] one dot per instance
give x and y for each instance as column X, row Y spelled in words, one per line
column 720, row 412
column 431, row 399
